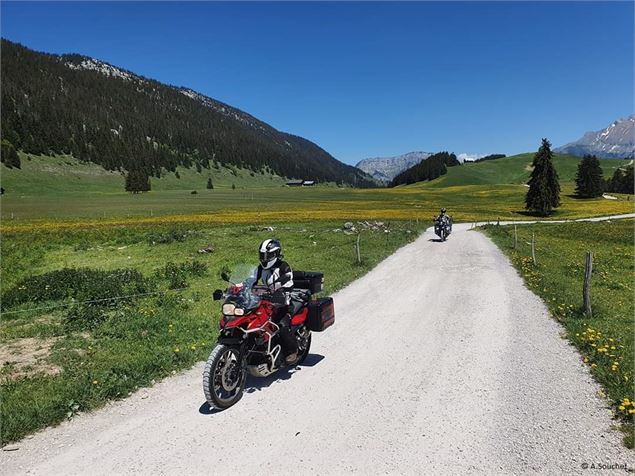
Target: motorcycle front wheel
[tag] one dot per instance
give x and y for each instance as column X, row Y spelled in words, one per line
column 224, row 377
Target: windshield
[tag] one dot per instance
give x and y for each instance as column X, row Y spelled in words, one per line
column 239, row 291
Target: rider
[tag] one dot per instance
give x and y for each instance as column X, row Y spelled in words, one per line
column 277, row 275
column 443, row 217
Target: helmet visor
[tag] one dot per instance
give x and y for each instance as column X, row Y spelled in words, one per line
column 266, row 256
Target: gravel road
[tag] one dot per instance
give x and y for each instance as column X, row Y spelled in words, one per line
column 440, row 362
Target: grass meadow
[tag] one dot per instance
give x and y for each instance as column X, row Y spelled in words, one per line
column 605, row 340
column 72, row 240
column 62, row 355
column 56, row 195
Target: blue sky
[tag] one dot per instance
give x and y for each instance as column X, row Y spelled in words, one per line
column 370, row 79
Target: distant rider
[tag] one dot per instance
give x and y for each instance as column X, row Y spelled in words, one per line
column 443, row 217
column 276, row 274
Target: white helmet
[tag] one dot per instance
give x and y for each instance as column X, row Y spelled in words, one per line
column 269, row 252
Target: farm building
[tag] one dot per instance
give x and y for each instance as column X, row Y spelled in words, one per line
column 300, row 183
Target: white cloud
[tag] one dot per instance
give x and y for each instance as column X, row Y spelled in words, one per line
column 469, row 157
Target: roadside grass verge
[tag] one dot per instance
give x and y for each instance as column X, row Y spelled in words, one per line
column 605, row 341
column 61, row 357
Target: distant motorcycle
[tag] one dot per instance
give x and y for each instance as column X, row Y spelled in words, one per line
column 443, row 227
column 248, row 341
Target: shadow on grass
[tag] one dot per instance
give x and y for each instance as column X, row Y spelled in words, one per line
column 255, row 384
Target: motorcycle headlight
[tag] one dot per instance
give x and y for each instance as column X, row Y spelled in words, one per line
column 239, row 311
column 228, row 309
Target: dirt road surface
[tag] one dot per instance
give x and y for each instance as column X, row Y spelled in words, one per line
column 440, row 362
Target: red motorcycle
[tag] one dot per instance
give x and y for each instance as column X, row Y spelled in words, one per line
column 248, row 341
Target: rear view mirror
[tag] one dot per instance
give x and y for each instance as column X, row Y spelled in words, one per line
column 218, row 295
column 224, row 276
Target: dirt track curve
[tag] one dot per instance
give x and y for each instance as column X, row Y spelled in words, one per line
column 440, row 362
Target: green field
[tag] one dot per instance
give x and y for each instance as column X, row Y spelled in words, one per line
column 71, row 235
column 65, row 175
column 515, row 170
column 50, row 192
column 605, row 341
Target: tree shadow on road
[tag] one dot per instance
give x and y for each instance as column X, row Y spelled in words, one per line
column 256, row 384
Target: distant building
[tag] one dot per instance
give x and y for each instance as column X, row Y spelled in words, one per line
column 301, row 183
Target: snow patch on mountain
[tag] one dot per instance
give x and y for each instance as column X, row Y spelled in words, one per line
column 463, row 157
column 616, row 141
column 103, row 68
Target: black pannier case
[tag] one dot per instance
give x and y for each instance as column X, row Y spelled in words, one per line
column 310, row 280
column 321, row 314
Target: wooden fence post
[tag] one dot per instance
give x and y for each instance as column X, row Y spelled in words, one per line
column 359, row 256
column 586, row 289
column 533, row 248
column 515, row 237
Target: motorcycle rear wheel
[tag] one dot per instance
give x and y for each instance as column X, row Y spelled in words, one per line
column 224, row 377
column 304, row 352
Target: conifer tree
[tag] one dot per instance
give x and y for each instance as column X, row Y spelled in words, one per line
column 544, row 188
column 622, row 181
column 8, row 155
column 210, row 185
column 588, row 181
column 137, row 181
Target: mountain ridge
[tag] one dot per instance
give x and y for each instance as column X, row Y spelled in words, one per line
column 617, row 141
column 100, row 113
column 385, row 169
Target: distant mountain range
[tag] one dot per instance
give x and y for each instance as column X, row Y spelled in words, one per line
column 72, row 104
column 385, row 169
column 617, row 141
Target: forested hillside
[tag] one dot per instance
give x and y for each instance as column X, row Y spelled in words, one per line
column 77, row 105
column 428, row 169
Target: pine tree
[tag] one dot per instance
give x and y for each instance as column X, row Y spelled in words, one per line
column 622, row 181
column 210, row 185
column 589, row 181
column 137, row 181
column 8, row 155
column 629, row 183
column 544, row 189
column 233, row 186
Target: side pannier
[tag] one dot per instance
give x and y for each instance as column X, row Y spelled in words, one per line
column 321, row 314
